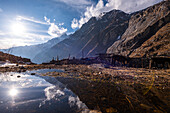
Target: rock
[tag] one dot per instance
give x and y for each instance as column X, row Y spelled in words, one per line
column 160, row 47
column 22, row 67
column 100, row 73
column 18, row 76
column 145, row 27
column 32, row 73
column 19, row 71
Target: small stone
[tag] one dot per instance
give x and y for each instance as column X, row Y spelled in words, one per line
column 18, row 76
column 32, row 73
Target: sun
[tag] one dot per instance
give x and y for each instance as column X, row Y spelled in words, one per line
column 18, row 28
column 13, row 92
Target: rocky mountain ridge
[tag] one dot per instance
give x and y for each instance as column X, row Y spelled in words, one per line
column 93, row 37
column 144, row 26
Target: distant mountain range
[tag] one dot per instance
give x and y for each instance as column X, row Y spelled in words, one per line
column 31, row 51
column 141, row 34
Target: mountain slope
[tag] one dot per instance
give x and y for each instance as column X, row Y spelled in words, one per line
column 93, row 37
column 13, row 59
column 145, row 28
column 31, row 51
column 157, row 45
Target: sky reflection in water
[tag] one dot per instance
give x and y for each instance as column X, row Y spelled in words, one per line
column 22, row 92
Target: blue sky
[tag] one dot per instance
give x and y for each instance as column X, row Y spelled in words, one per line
column 28, row 22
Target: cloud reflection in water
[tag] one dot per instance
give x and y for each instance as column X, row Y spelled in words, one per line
column 35, row 92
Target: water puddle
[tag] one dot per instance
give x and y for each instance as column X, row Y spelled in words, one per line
column 26, row 93
column 7, row 64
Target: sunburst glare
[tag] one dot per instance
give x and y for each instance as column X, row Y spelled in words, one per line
column 18, row 28
column 13, row 92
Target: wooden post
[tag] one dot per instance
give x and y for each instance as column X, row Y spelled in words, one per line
column 69, row 56
column 150, row 63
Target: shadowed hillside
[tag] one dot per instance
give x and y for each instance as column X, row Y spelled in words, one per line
column 13, row 59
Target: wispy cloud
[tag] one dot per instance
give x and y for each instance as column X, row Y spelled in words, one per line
column 124, row 5
column 2, row 33
column 38, row 37
column 8, row 40
column 76, row 4
column 1, row 10
column 31, row 19
column 54, row 30
column 12, row 42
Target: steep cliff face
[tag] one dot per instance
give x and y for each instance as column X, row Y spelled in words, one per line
column 104, row 39
column 157, row 45
column 144, row 26
column 94, row 37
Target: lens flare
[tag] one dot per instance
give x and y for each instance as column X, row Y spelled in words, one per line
column 13, row 92
column 18, row 28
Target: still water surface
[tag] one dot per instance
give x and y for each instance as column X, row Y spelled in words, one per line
column 26, row 93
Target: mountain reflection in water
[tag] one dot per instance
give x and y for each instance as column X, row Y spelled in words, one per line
column 24, row 93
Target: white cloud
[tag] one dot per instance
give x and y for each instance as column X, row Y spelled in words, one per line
column 69, row 33
column 92, row 11
column 61, row 24
column 54, row 30
column 52, row 92
column 76, row 101
column 31, row 19
column 75, row 23
column 127, row 6
column 47, row 20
